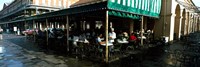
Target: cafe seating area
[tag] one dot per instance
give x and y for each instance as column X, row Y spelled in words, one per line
column 84, row 44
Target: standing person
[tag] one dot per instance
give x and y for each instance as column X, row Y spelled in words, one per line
column 1, row 32
column 112, row 35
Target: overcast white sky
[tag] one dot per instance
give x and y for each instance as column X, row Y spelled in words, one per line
column 196, row 2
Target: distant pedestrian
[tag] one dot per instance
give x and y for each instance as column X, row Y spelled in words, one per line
column 1, row 32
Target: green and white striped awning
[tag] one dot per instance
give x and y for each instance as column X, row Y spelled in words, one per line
column 150, row 8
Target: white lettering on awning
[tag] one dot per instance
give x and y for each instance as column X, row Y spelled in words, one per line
column 124, row 2
column 148, row 7
column 129, row 3
column 113, row 1
column 140, row 4
column 118, row 1
column 136, row 4
column 133, row 3
column 143, row 5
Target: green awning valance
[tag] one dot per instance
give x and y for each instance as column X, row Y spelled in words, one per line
column 141, row 7
column 122, row 14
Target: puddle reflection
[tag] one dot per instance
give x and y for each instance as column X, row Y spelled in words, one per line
column 1, row 49
column 14, row 63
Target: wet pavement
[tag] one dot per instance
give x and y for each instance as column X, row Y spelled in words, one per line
column 17, row 51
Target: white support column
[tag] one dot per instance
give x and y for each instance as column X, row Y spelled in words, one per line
column 106, row 32
column 179, row 31
column 171, row 33
column 186, row 23
column 196, row 24
column 189, row 23
column 199, row 24
column 193, row 25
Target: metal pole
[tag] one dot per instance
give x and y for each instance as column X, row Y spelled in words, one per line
column 142, row 30
column 67, row 28
column 106, row 32
column 34, row 30
column 25, row 22
column 47, row 31
column 25, row 25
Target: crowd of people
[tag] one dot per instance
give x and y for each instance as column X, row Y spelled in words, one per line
column 93, row 36
column 113, row 38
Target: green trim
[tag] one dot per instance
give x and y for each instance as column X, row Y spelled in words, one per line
column 124, row 15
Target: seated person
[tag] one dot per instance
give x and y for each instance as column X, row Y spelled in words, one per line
column 99, row 42
column 133, row 40
column 98, row 39
column 125, row 36
column 132, row 37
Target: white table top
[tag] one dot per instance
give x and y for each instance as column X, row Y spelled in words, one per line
column 142, row 37
column 122, row 41
column 109, row 44
column 83, row 41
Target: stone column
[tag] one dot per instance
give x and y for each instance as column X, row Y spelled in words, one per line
column 171, row 29
column 183, row 29
column 190, row 23
column 177, row 26
column 186, row 23
column 199, row 24
column 196, row 24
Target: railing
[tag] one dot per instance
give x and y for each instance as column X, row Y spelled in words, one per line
column 22, row 7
